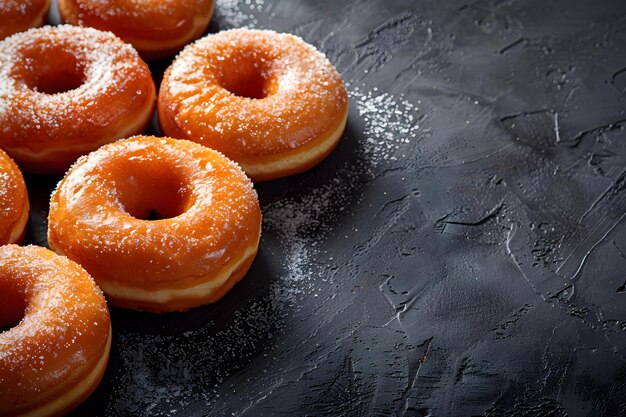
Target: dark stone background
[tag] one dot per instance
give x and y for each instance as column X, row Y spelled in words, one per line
column 461, row 253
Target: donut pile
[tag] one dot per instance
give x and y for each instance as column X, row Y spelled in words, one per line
column 157, row 224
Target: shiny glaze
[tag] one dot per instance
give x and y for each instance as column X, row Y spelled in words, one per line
column 155, row 28
column 13, row 201
column 208, row 221
column 60, row 333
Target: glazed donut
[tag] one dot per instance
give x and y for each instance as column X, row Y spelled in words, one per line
column 65, row 91
column 19, row 15
column 161, row 224
column 56, row 350
column 269, row 101
column 156, row 28
column 13, row 202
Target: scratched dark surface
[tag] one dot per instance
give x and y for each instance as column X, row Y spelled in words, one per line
column 461, row 253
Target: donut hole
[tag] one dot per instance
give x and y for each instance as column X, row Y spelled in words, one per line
column 246, row 84
column 60, row 82
column 245, row 75
column 54, row 73
column 150, row 195
column 12, row 306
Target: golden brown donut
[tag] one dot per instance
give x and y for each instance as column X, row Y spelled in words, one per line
column 19, row 15
column 269, row 101
column 65, row 91
column 156, row 28
column 13, row 202
column 56, row 350
column 161, row 224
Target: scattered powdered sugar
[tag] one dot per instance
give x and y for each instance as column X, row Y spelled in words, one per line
column 390, row 123
column 165, row 374
column 304, row 222
column 238, row 13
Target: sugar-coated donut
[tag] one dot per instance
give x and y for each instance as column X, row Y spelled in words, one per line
column 269, row 101
column 161, row 224
column 65, row 91
column 55, row 352
column 13, row 202
column 19, row 15
column 156, row 28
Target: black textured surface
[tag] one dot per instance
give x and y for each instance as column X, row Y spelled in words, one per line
column 461, row 253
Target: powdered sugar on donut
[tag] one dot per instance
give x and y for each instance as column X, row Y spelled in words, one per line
column 303, row 95
column 66, row 322
column 115, row 81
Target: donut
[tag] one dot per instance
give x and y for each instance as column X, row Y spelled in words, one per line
column 13, row 202
column 269, row 101
column 57, row 346
column 156, row 28
column 65, row 91
column 161, row 224
column 19, row 15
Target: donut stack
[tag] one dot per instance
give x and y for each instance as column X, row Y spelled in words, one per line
column 149, row 223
